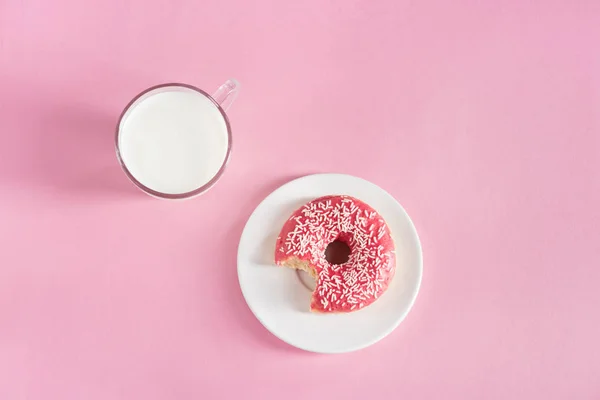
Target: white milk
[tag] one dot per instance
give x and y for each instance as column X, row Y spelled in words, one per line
column 174, row 142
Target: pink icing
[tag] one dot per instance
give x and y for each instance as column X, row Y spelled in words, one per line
column 370, row 267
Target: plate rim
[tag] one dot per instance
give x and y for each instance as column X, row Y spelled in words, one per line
column 415, row 291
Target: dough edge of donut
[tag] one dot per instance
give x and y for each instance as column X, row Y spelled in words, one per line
column 297, row 263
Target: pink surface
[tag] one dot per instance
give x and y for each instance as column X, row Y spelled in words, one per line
column 481, row 117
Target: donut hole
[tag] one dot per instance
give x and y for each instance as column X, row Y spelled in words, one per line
column 337, row 252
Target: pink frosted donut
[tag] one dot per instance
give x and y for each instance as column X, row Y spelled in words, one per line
column 370, row 267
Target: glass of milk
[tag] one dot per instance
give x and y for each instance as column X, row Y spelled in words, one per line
column 173, row 140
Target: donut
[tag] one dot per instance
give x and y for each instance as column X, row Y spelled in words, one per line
column 351, row 285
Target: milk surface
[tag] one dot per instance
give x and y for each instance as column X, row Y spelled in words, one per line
column 174, row 142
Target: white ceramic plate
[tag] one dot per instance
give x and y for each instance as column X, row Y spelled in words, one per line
column 281, row 302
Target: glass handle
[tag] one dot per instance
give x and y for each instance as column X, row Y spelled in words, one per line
column 226, row 93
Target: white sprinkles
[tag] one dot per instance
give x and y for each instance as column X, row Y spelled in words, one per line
column 365, row 276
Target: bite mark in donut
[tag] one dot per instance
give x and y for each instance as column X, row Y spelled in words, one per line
column 354, row 284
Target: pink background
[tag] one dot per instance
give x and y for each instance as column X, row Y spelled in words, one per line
column 481, row 117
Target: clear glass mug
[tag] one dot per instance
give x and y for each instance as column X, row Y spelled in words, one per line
column 221, row 100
